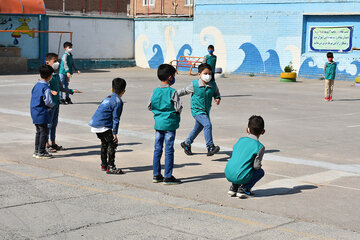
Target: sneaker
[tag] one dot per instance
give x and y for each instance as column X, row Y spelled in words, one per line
column 212, row 150
column 327, row 99
column 232, row 191
column 171, row 181
column 44, row 155
column 35, row 154
column 187, row 148
column 114, row 170
column 157, row 179
column 103, row 168
column 244, row 193
column 68, row 100
column 330, row 99
column 62, row 101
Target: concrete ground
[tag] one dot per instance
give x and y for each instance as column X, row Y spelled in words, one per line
column 310, row 190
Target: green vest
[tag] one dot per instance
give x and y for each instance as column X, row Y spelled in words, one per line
column 69, row 63
column 239, row 168
column 202, row 98
column 330, row 70
column 166, row 118
column 211, row 60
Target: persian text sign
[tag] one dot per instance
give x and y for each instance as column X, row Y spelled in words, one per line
column 336, row 39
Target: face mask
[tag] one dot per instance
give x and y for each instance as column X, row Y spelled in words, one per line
column 55, row 66
column 206, row 78
column 69, row 50
column 172, row 81
column 211, row 51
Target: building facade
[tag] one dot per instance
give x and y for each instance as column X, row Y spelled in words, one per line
column 158, row 8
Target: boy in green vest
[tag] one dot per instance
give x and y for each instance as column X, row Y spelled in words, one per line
column 330, row 70
column 243, row 169
column 202, row 91
column 67, row 68
column 51, row 59
column 166, row 106
column 211, row 60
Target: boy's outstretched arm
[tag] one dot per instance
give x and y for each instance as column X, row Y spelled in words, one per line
column 217, row 96
column 186, row 90
column 176, row 101
column 258, row 159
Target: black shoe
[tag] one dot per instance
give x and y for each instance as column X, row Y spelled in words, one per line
column 187, row 148
column 232, row 191
column 44, row 155
column 157, row 179
column 244, row 193
column 212, row 150
column 68, row 100
column 114, row 170
column 171, row 181
column 62, row 101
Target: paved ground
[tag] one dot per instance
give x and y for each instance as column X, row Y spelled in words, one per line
column 310, row 191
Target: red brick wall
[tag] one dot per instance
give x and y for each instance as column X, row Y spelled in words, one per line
column 112, row 6
column 168, row 8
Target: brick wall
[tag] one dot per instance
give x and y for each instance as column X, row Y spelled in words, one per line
column 156, row 9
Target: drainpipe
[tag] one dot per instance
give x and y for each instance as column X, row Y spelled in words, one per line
column 100, row 7
column 161, row 7
column 63, row 6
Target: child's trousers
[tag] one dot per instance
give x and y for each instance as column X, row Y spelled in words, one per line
column 202, row 121
column 54, row 117
column 41, row 137
column 257, row 175
column 169, row 138
column 108, row 148
column 329, row 87
column 65, row 82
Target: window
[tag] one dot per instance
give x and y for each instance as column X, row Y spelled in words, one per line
column 148, row 2
column 189, row 2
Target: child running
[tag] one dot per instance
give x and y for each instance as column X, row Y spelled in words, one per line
column 202, row 91
column 105, row 123
column 40, row 105
column 166, row 106
column 51, row 60
column 211, row 60
column 243, row 169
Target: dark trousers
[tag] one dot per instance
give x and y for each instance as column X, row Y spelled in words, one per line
column 108, row 148
column 257, row 175
column 41, row 136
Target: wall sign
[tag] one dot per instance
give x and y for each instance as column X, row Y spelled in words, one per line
column 335, row 39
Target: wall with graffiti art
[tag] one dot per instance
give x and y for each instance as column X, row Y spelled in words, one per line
column 259, row 37
column 28, row 42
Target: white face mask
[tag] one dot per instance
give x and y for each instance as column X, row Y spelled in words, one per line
column 206, row 77
column 69, row 50
column 55, row 66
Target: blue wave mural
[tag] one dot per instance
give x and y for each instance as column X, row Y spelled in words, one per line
column 185, row 47
column 272, row 64
column 158, row 58
column 307, row 70
column 253, row 62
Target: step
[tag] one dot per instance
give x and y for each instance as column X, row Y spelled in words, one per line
column 13, row 65
column 10, row 52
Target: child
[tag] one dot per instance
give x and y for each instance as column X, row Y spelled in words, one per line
column 211, row 60
column 330, row 70
column 41, row 102
column 56, row 86
column 166, row 106
column 202, row 91
column 67, row 68
column 105, row 123
column 243, row 169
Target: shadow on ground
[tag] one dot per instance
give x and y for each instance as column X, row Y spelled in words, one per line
column 282, row 191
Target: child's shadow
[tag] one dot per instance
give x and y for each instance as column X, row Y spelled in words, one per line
column 150, row 167
column 282, row 191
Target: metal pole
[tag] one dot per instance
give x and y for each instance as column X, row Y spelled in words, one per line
column 161, row 8
column 63, row 6
column 100, row 7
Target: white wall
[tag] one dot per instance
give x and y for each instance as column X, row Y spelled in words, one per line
column 94, row 38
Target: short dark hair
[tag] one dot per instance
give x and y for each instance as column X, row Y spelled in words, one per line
column 256, row 125
column 211, row 47
column 329, row 55
column 45, row 71
column 204, row 66
column 165, row 71
column 50, row 56
column 67, row 44
column 118, row 85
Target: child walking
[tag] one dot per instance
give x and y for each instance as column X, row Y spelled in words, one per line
column 166, row 106
column 243, row 169
column 211, row 60
column 105, row 123
column 67, row 68
column 330, row 71
column 40, row 105
column 202, row 91
column 51, row 60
